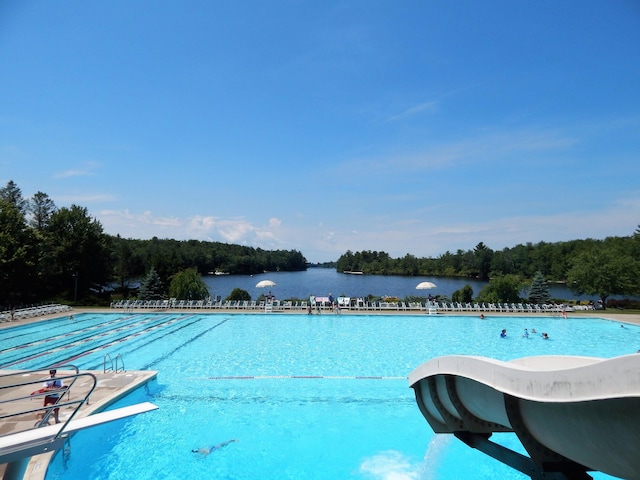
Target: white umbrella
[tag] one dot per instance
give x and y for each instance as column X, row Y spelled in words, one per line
column 425, row 286
column 265, row 283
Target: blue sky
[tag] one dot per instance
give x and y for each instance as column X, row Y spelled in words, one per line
column 324, row 126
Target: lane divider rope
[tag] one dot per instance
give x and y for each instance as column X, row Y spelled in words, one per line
column 306, row 377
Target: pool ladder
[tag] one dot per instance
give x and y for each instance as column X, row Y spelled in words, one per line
column 113, row 365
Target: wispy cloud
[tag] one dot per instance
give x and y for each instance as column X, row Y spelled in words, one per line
column 425, row 107
column 86, row 198
column 86, row 170
column 119, row 221
column 486, row 148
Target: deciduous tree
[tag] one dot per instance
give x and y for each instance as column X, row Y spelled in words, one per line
column 604, row 272
column 188, row 285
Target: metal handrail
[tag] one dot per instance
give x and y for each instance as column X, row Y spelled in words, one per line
column 104, row 363
column 111, row 362
column 118, row 356
column 72, row 378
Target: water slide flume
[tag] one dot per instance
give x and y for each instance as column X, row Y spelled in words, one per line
column 572, row 414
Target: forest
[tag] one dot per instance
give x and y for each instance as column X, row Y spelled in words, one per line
column 595, row 267
column 62, row 254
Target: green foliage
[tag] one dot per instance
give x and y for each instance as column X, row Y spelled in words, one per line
column 76, row 252
column 539, row 289
column 64, row 254
column 238, row 294
column 501, row 289
column 18, row 254
column 464, row 295
column 604, row 272
column 552, row 260
column 188, row 285
column 134, row 257
column 13, row 195
column 41, row 208
column 151, row 287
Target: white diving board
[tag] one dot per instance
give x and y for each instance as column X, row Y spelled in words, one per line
column 41, row 440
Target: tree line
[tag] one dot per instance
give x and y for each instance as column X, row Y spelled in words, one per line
column 593, row 267
column 62, row 254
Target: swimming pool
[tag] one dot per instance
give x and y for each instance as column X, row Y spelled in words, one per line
column 306, row 397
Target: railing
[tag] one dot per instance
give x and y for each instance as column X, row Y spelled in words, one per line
column 14, row 397
column 21, row 439
column 110, row 367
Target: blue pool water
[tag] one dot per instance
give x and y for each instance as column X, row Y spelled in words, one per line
column 306, row 397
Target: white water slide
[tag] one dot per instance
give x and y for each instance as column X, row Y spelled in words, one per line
column 571, row 414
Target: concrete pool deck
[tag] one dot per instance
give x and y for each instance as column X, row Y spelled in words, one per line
column 611, row 315
column 111, row 386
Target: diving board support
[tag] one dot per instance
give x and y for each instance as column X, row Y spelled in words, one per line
column 17, row 448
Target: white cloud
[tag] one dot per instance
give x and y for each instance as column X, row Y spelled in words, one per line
column 132, row 225
column 206, row 228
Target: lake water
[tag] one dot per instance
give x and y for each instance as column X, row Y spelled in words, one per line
column 322, row 281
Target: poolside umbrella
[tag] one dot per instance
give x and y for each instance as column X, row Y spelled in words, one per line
column 267, row 283
column 425, row 286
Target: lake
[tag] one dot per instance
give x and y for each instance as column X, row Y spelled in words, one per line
column 323, row 281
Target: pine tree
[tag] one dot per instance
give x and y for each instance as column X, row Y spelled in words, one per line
column 539, row 290
column 151, row 287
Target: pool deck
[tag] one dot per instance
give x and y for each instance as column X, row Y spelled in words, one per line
column 604, row 314
column 110, row 387
column 113, row 386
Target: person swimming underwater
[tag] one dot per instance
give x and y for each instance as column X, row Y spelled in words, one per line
column 206, row 451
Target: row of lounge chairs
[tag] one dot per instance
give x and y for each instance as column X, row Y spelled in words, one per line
column 30, row 312
column 353, row 304
column 503, row 307
column 208, row 304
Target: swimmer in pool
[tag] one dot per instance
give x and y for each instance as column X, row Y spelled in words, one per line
column 206, row 451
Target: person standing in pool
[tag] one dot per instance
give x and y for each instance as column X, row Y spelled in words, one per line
column 503, row 333
column 206, row 451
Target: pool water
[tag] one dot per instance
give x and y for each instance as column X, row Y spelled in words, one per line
column 305, row 397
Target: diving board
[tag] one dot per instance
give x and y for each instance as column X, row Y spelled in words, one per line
column 23, row 444
column 571, row 414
